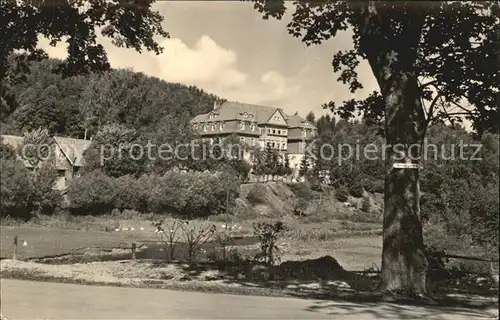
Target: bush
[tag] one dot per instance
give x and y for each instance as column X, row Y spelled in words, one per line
column 93, row 193
column 257, row 195
column 268, row 234
column 302, row 191
column 44, row 198
column 375, row 186
column 366, row 205
column 134, row 194
column 16, row 189
column 194, row 194
column 342, row 193
column 356, row 189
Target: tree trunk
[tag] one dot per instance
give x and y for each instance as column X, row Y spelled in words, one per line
column 404, row 263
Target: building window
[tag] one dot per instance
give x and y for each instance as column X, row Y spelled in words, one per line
column 252, row 127
column 274, row 145
column 242, row 125
column 304, row 133
column 211, row 140
column 242, row 139
column 274, row 131
column 284, row 132
column 205, row 127
column 253, row 142
column 279, row 131
column 213, row 127
column 221, row 126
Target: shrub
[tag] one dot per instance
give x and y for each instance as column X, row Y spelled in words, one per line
column 44, row 198
column 193, row 194
column 257, row 195
column 366, row 204
column 133, row 194
column 356, row 189
column 168, row 234
column 196, row 235
column 93, row 193
column 168, row 195
column 342, row 193
column 268, row 234
column 302, row 190
column 375, row 186
column 16, row 188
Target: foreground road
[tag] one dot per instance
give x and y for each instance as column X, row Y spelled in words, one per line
column 40, row 300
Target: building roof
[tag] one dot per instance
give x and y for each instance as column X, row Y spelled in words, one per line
column 295, row 121
column 70, row 148
column 73, row 149
column 231, row 110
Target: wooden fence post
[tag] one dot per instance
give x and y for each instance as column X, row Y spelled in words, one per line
column 14, row 254
column 133, row 250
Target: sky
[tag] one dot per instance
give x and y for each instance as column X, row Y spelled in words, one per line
column 226, row 48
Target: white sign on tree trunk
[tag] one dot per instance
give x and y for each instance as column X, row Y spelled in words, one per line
column 407, row 165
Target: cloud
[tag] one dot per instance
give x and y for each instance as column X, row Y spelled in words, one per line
column 206, row 65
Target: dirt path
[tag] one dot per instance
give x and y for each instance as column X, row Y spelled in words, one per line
column 39, row 300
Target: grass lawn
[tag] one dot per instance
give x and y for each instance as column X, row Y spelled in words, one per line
column 50, row 241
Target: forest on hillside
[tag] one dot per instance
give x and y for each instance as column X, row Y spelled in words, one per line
column 68, row 106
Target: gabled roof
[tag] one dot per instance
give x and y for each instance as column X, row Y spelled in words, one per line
column 73, row 149
column 231, row 110
column 296, row 121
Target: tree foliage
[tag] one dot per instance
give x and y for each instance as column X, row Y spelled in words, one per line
column 128, row 24
column 16, row 187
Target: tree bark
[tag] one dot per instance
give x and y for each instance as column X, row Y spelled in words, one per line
column 392, row 57
column 404, row 263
